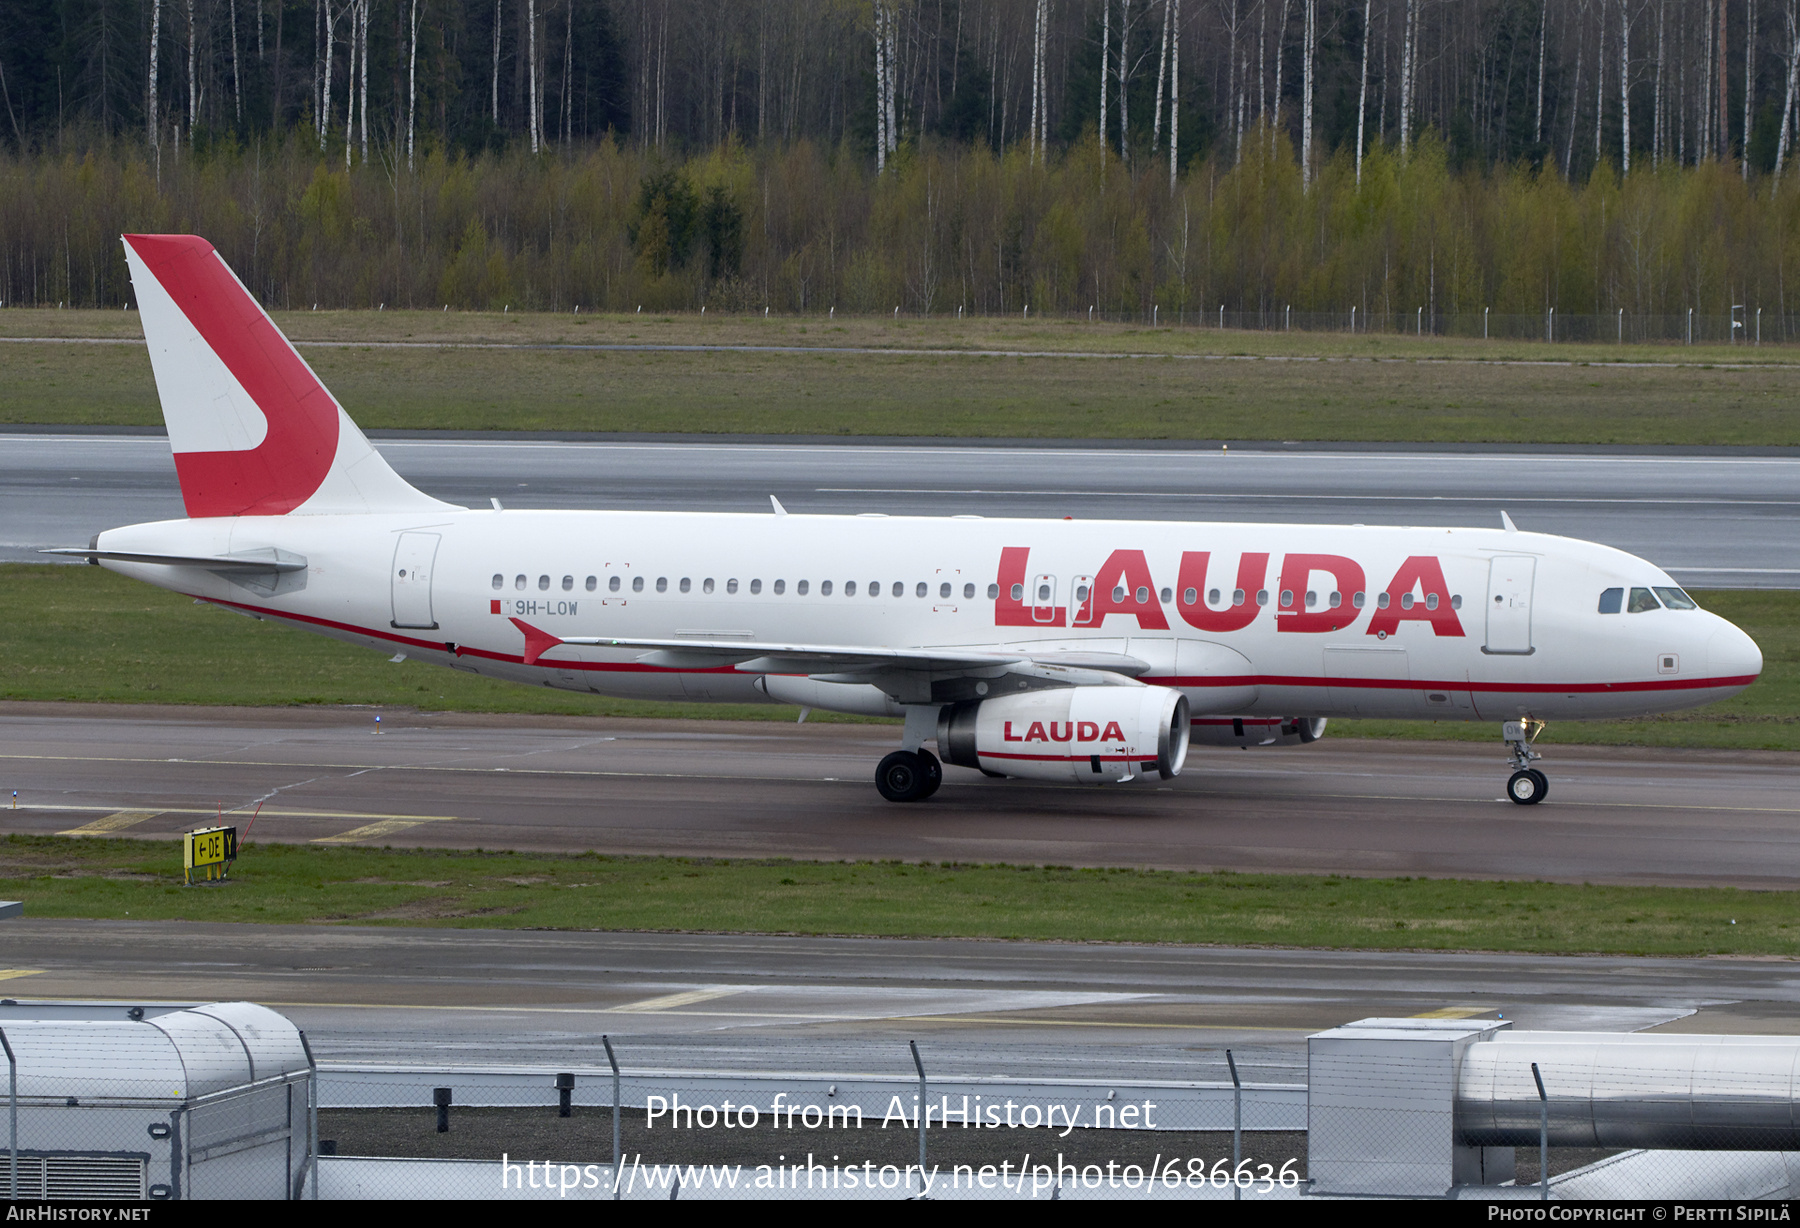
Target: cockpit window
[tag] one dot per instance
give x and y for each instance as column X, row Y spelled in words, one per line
column 1611, row 600
column 1642, row 599
column 1675, row 599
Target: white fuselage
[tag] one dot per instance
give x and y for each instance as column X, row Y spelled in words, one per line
column 1515, row 630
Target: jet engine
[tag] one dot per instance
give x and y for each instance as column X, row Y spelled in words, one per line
column 1249, row 731
column 1091, row 735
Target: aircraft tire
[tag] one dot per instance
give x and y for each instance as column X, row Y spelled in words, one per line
column 1543, row 783
column 902, row 777
column 1525, row 788
column 934, row 773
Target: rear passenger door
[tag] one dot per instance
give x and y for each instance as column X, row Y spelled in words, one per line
column 1510, row 580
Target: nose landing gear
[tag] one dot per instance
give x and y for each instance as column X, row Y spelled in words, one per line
column 1526, row 786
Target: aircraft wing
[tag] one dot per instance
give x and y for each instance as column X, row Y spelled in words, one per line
column 845, row 663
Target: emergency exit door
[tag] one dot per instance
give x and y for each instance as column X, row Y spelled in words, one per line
column 414, row 558
column 1510, row 578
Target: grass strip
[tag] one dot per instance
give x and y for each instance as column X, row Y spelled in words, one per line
column 1363, row 389
column 86, row 634
column 298, row 884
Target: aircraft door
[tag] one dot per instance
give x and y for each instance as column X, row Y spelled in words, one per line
column 415, row 558
column 1510, row 578
column 1043, row 599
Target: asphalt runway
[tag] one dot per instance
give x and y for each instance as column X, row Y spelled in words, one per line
column 765, row 789
column 740, row 1002
column 1712, row 519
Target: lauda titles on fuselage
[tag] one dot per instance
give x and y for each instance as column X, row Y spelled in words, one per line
column 1080, row 651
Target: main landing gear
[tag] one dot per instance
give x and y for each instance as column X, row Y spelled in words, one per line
column 909, row 775
column 1527, row 786
column 912, row 773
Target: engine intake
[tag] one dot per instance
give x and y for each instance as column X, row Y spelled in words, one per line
column 1086, row 735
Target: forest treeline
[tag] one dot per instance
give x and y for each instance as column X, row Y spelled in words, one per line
column 1560, row 83
column 806, row 227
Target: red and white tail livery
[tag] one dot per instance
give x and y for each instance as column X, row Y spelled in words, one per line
column 1084, row 652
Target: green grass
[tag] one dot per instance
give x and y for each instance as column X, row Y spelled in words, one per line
column 296, row 884
column 1373, row 388
column 85, row 634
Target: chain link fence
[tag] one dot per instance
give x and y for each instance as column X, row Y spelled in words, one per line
column 1745, row 325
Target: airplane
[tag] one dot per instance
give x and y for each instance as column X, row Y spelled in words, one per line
column 1076, row 651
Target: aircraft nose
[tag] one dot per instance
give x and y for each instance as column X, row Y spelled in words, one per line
column 1732, row 654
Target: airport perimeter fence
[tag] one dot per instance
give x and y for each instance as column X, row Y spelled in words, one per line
column 1747, row 326
column 887, row 1122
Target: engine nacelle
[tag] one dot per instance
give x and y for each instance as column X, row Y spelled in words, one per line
column 1088, row 735
column 1249, row 731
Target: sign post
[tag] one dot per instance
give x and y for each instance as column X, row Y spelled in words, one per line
column 207, row 854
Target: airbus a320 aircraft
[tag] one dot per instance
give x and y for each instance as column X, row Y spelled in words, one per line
column 1058, row 650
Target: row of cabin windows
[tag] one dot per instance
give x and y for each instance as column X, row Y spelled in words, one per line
column 1191, row 596
column 1643, row 599
column 1046, row 592
column 615, row 584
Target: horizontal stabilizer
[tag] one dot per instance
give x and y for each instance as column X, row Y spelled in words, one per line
column 264, row 559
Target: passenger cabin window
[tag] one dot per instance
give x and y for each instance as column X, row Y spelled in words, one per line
column 519, row 582
column 499, row 580
column 874, row 588
column 1018, row 593
column 944, row 590
column 849, row 588
column 593, row 582
column 969, row 591
column 1642, row 599
column 1357, row 599
column 731, row 586
column 1676, row 599
column 824, row 588
column 568, row 584
column 612, row 584
column 755, row 587
column 899, row 588
column 662, row 584
column 922, row 589
column 800, row 587
column 543, row 583
column 706, row 585
column 994, row 592
column 1381, row 601
column 637, row 584
column 1262, row 596
column 780, row 587
column 1168, row 595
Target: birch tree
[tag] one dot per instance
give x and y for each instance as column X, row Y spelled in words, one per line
column 1749, row 78
column 1408, row 36
column 1174, row 95
column 1124, row 81
column 531, row 60
column 151, row 98
column 1105, row 50
column 412, row 83
column 1793, row 79
column 1362, row 90
column 1537, row 130
column 1306, row 96
column 1162, row 68
column 1625, row 87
